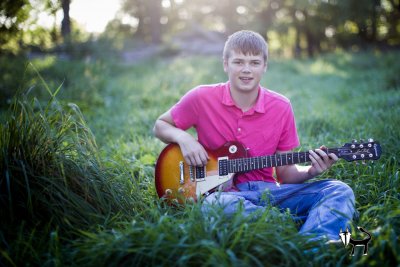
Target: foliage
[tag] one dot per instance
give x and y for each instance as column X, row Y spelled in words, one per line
column 106, row 191
column 82, row 81
column 12, row 14
column 299, row 28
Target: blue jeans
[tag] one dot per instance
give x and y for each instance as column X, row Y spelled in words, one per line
column 324, row 207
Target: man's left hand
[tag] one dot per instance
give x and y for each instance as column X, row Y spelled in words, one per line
column 321, row 161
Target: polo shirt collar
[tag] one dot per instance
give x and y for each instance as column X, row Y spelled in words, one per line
column 259, row 105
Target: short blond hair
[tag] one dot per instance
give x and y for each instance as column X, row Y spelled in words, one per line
column 246, row 42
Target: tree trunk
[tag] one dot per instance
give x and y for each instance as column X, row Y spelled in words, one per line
column 141, row 11
column 297, row 48
column 155, row 16
column 66, row 22
column 309, row 36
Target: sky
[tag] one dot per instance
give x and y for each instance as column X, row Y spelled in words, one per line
column 92, row 15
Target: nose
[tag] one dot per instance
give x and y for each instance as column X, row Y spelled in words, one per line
column 246, row 68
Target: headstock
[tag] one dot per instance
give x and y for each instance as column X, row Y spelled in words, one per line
column 370, row 150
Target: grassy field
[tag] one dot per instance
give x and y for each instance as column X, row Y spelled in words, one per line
column 77, row 163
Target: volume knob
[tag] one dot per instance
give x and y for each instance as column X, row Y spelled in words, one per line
column 181, row 190
column 168, row 192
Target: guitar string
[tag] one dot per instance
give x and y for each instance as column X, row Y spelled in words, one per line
column 244, row 164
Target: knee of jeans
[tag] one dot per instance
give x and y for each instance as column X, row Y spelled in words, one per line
column 344, row 190
column 228, row 203
column 221, row 199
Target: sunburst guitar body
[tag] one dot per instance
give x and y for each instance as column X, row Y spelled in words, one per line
column 177, row 180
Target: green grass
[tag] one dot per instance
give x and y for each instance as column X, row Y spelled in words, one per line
column 77, row 189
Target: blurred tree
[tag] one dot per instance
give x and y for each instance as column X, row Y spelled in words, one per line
column 12, row 14
column 392, row 12
column 154, row 13
column 66, row 21
column 148, row 14
column 52, row 6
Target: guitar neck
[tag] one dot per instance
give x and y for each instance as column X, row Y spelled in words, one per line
column 255, row 163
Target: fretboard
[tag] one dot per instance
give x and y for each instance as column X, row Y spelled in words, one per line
column 255, row 163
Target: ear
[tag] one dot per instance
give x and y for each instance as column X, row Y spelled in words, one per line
column 225, row 63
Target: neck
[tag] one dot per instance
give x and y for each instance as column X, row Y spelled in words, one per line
column 244, row 100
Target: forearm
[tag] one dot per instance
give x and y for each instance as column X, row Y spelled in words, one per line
column 293, row 174
column 167, row 132
column 192, row 151
column 320, row 162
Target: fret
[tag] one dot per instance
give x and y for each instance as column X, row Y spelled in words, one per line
column 260, row 162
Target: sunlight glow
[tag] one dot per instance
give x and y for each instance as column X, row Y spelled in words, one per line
column 94, row 15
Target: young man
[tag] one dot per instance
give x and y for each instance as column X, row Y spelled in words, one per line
column 241, row 110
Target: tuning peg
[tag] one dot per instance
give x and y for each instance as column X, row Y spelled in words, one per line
column 363, row 162
column 370, row 140
column 361, row 140
column 354, row 141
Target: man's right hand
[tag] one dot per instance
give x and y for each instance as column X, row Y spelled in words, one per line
column 193, row 152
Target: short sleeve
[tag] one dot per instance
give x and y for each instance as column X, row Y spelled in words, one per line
column 185, row 112
column 289, row 138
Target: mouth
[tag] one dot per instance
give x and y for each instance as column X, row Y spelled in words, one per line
column 246, row 79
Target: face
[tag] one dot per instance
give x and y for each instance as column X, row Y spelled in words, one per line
column 244, row 71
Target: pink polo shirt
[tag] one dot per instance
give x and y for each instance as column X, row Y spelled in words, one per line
column 268, row 126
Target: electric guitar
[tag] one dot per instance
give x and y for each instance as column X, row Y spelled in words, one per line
column 175, row 180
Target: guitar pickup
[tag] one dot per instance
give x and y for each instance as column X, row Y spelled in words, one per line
column 223, row 169
column 181, row 172
column 200, row 173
